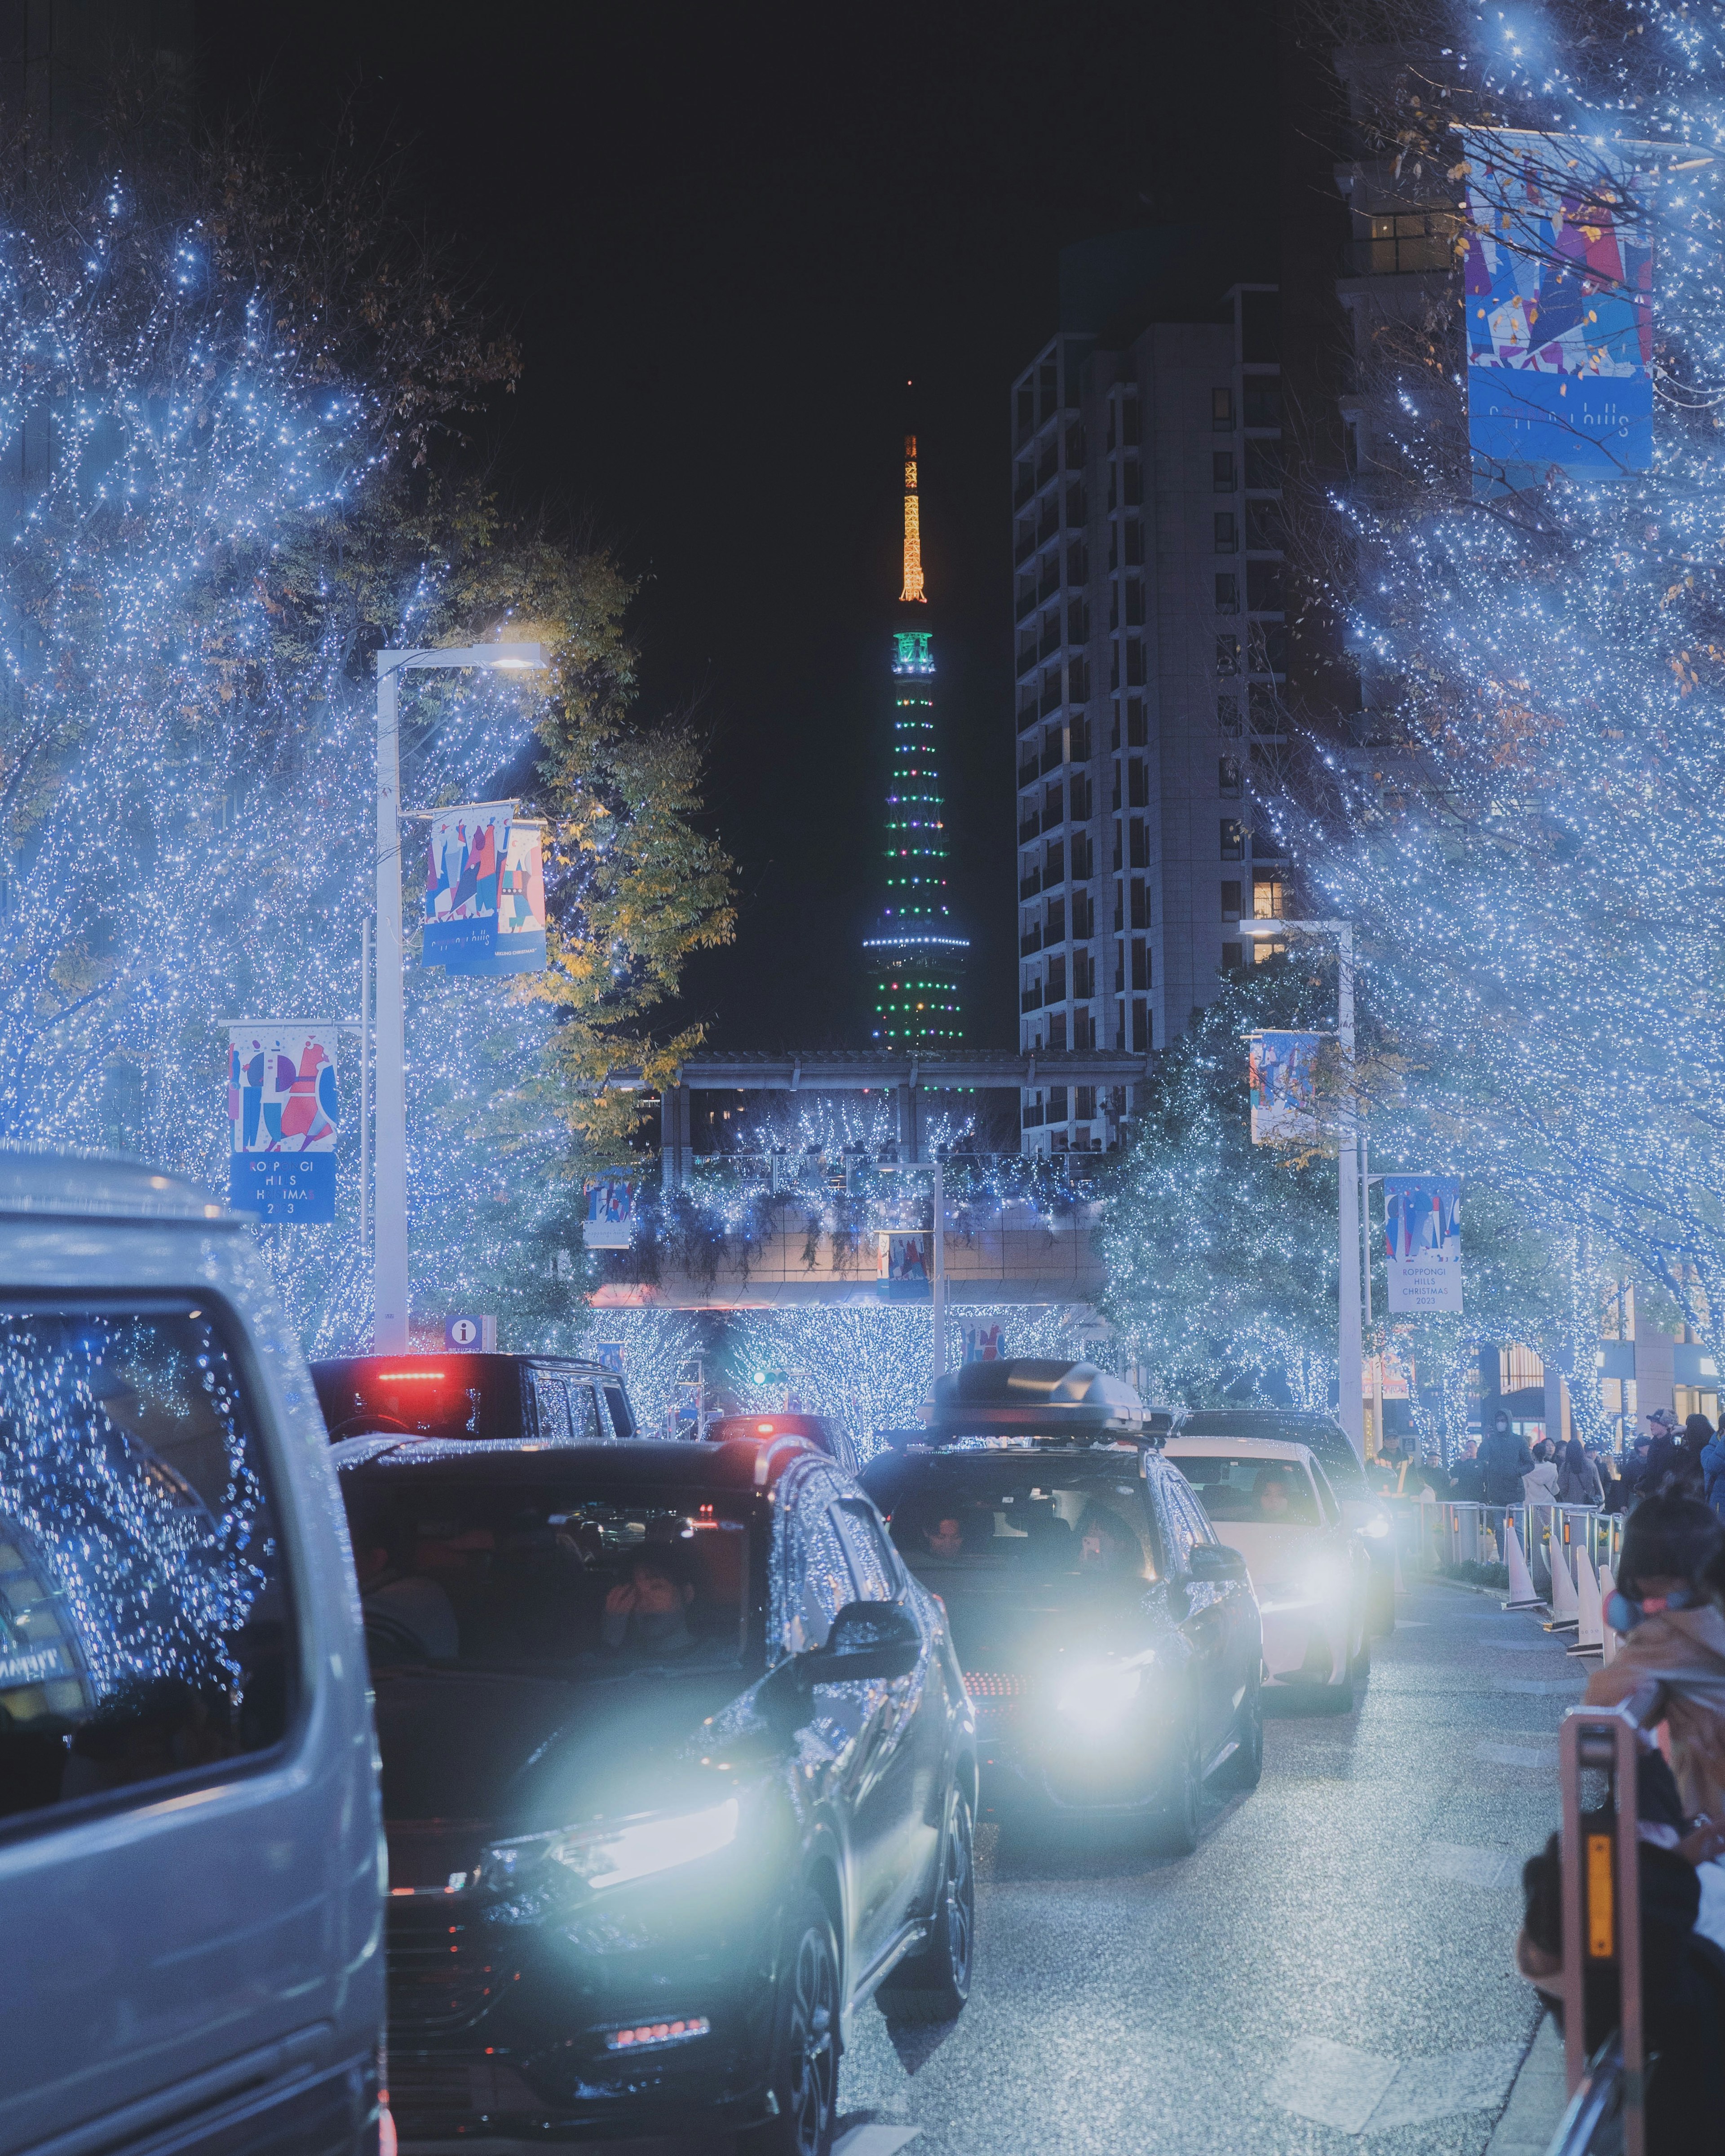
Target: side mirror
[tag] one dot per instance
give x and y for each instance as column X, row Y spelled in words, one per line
column 868, row 1640
column 1215, row 1561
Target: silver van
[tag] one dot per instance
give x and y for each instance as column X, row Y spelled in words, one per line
column 190, row 1887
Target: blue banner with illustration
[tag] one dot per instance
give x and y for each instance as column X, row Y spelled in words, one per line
column 1559, row 309
column 1422, row 1243
column 518, row 931
column 1281, row 1073
column 283, row 1116
column 484, row 891
column 610, row 1224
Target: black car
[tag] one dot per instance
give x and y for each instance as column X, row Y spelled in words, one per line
column 554, row 1399
column 1361, row 1509
column 678, row 1769
column 1110, row 1643
column 821, row 1431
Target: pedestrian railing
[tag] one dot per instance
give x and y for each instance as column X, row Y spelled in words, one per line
column 1437, row 1534
column 1601, row 1902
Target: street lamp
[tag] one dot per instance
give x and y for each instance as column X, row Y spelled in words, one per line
column 389, row 1232
column 1349, row 1355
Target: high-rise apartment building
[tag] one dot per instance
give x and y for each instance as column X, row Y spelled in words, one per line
column 1151, row 652
column 916, row 951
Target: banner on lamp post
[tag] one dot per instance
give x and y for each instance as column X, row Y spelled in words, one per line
column 1422, row 1243
column 1281, row 1072
column 283, row 1116
column 468, row 846
column 518, row 925
column 983, row 1343
column 1559, row 295
column 610, row 1224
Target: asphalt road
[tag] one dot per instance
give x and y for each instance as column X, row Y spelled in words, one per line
column 1330, row 1971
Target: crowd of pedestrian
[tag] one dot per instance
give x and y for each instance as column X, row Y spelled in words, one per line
column 1667, row 1613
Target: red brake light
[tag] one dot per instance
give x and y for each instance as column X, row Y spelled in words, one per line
column 412, row 1377
column 763, row 1429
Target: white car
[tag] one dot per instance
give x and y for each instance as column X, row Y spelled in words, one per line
column 1271, row 1500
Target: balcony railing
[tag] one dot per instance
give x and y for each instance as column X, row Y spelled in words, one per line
column 1030, row 945
column 1028, row 828
column 1031, row 999
column 1031, row 885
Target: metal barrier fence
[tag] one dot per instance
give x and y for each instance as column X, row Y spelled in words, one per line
column 1602, row 1935
column 1436, row 1534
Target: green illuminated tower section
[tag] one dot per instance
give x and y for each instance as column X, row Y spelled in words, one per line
column 916, row 950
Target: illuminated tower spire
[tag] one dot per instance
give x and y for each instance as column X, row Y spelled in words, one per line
column 916, row 950
column 913, row 528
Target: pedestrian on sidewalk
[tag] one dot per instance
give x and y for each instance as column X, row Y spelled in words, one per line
column 1671, row 1635
column 1467, row 1477
column 1634, row 1468
column 1614, row 1497
column 1539, row 1485
column 1504, row 1459
column 1713, row 1468
column 1577, row 1478
column 1672, row 1470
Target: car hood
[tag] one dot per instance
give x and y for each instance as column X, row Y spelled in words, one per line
column 517, row 1753
column 1271, row 1553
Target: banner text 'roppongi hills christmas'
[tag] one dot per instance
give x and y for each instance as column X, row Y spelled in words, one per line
column 283, row 1116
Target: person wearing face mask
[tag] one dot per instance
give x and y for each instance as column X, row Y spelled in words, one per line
column 646, row 1619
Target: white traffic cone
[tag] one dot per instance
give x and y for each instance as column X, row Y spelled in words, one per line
column 1521, row 1585
column 1590, row 1635
column 1608, row 1588
column 1565, row 1610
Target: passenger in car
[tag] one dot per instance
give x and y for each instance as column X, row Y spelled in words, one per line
column 408, row 1617
column 647, row 1617
column 1108, row 1548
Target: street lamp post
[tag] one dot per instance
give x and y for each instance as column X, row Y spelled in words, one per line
column 1349, row 1341
column 389, row 1209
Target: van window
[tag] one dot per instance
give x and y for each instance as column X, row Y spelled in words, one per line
column 144, row 1632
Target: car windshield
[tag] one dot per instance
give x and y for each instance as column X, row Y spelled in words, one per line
column 464, row 1572
column 1275, row 1493
column 1335, row 1455
column 1013, row 1546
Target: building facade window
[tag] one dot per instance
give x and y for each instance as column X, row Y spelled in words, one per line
column 1222, row 471
column 1222, row 411
column 1227, row 592
column 1233, row 839
column 1227, row 534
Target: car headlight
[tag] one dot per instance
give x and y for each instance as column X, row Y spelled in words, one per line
column 1378, row 1526
column 1095, row 1694
column 612, row 1856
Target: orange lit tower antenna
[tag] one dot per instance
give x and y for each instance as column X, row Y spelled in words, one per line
column 913, row 529
column 916, row 950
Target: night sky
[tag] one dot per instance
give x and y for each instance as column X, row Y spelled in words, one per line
column 726, row 239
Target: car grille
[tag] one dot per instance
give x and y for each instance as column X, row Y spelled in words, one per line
column 426, row 2094
column 994, row 1686
column 443, row 1972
